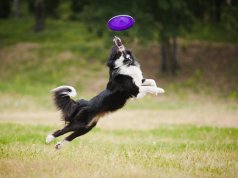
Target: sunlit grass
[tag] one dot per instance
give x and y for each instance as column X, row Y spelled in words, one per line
column 167, row 151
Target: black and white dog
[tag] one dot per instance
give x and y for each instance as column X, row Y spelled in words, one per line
column 125, row 82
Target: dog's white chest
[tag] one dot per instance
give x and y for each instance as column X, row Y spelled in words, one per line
column 134, row 72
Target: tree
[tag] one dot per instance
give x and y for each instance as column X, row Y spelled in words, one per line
column 51, row 8
column 95, row 18
column 160, row 19
column 15, row 8
column 229, row 16
column 76, row 7
column 39, row 15
column 5, row 8
column 170, row 17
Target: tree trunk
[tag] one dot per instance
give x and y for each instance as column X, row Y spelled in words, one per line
column 217, row 15
column 169, row 54
column 15, row 8
column 164, row 42
column 164, row 57
column 174, row 62
column 39, row 15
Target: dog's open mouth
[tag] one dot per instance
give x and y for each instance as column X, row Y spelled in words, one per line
column 118, row 43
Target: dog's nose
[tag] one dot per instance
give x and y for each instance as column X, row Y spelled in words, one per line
column 114, row 38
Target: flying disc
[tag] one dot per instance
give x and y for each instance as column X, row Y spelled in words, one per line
column 120, row 22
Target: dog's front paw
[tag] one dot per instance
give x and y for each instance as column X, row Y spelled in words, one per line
column 158, row 91
column 149, row 82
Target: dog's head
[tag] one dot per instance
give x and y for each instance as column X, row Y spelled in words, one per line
column 120, row 56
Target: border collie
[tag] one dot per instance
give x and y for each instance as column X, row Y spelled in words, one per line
column 125, row 82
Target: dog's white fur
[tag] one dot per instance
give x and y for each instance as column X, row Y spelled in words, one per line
column 49, row 138
column 134, row 72
column 72, row 93
column 148, row 86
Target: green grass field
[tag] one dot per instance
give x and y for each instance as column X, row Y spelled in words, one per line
column 167, row 151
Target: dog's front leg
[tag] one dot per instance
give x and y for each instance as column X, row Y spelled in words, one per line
column 143, row 90
column 149, row 82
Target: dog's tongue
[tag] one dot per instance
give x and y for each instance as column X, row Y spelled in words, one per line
column 118, row 43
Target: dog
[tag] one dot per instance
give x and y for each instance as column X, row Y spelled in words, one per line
column 125, row 81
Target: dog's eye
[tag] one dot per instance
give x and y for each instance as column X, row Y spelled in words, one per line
column 128, row 56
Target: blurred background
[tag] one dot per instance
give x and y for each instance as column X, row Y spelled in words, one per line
column 189, row 47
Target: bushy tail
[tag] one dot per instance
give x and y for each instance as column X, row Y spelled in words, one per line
column 63, row 101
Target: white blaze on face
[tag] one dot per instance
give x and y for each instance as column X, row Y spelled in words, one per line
column 119, row 62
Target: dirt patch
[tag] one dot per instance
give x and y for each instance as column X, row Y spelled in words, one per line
column 20, row 51
column 207, row 115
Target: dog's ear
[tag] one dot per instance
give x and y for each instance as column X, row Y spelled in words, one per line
column 115, row 54
column 110, row 63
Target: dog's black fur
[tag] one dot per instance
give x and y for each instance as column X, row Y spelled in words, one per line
column 82, row 115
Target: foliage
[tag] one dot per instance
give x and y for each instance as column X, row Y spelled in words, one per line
column 76, row 7
column 51, row 7
column 161, row 20
column 157, row 20
column 230, row 18
column 170, row 17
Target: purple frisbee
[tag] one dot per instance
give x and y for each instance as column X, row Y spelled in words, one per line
column 120, row 22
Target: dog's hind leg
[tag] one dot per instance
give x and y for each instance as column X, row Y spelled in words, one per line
column 74, row 135
column 63, row 131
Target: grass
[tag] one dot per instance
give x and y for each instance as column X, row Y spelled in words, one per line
column 168, row 151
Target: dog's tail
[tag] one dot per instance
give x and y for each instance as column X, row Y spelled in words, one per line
column 63, row 101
